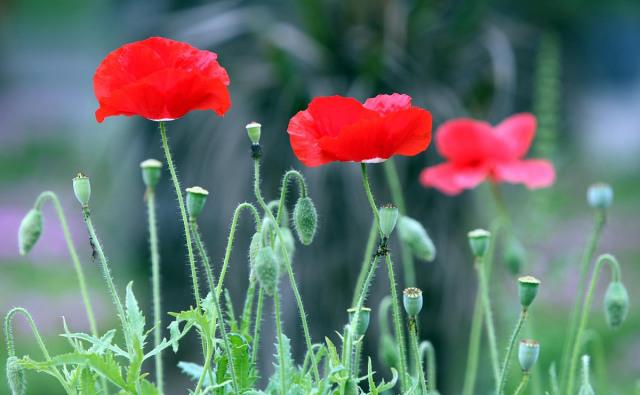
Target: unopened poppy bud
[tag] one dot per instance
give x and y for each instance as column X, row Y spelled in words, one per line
column 388, row 351
column 479, row 242
column 616, row 304
column 527, row 289
column 266, row 270
column 413, row 234
column 388, row 217
column 305, row 220
column 254, row 247
column 30, row 231
column 364, row 317
column 82, row 189
column 528, row 354
column 289, row 244
column 196, row 199
column 412, row 300
column 16, row 377
column 515, row 256
column 600, row 195
column 254, row 129
column 151, row 172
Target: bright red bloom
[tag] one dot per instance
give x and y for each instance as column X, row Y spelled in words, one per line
column 160, row 79
column 336, row 128
column 476, row 151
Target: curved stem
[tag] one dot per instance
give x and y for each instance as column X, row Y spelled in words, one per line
column 282, row 367
column 155, row 284
column 366, row 262
column 232, row 233
column 183, row 212
column 287, row 261
column 587, row 258
column 257, row 325
column 426, row 348
column 49, row 195
column 584, row 316
column 413, row 334
column 523, row 384
column 488, row 318
column 397, row 322
column 507, row 356
column 302, row 187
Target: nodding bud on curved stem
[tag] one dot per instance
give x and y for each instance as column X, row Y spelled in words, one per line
column 16, row 377
column 388, row 215
column 479, row 242
column 415, row 236
column 82, row 189
column 528, row 354
column 616, row 303
column 151, row 172
column 527, row 290
column 267, row 270
column 196, row 199
column 600, row 195
column 30, row 230
column 412, row 300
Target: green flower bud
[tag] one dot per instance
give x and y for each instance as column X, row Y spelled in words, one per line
column 600, row 196
column 616, row 304
column 16, row 377
column 515, row 256
column 412, row 300
column 254, row 130
column 305, row 220
column 254, row 247
column 527, row 289
column 30, row 231
column 266, row 270
column 388, row 217
column 363, row 319
column 82, row 189
column 528, row 354
column 196, row 199
column 351, row 387
column 289, row 244
column 388, row 351
column 151, row 172
column 479, row 242
column 414, row 236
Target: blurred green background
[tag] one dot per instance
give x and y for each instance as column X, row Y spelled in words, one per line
column 576, row 64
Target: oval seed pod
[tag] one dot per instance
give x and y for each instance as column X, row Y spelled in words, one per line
column 151, row 172
column 412, row 300
column 196, row 199
column 16, row 377
column 616, row 304
column 266, row 270
column 388, row 215
column 415, row 236
column 479, row 242
column 528, row 354
column 515, row 256
column 289, row 244
column 527, row 290
column 600, row 195
column 82, row 189
column 30, row 231
column 305, row 220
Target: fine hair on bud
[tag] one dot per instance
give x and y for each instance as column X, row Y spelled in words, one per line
column 30, row 230
column 267, row 270
column 616, row 304
column 254, row 247
column 289, row 245
column 305, row 220
column 15, row 377
column 415, row 236
column 388, row 215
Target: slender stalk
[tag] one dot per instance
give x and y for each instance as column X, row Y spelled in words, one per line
column 357, row 357
column 287, row 261
column 247, row 309
column 584, row 315
column 587, row 258
column 302, row 187
column 183, row 212
column 204, row 257
column 523, row 384
column 206, row 367
column 276, row 304
column 488, row 319
column 474, row 346
column 413, row 334
column 553, row 379
column 393, row 180
column 155, row 284
column 370, row 199
column 366, row 262
column 426, row 348
column 256, row 328
column 507, row 356
column 397, row 321
column 593, row 338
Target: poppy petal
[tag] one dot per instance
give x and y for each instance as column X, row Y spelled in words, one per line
column 466, row 141
column 534, row 173
column 384, row 104
column 516, row 133
column 451, row 179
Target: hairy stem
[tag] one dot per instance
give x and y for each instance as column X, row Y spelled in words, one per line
column 257, row 325
column 523, row 384
column 507, row 356
column 397, row 322
column 366, row 263
column 426, row 348
column 413, row 334
column 488, row 318
column 247, row 309
column 302, row 187
column 276, row 305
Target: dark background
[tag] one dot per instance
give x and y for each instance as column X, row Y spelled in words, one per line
column 574, row 63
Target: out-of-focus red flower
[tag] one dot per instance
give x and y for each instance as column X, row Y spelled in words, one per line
column 336, row 128
column 160, row 79
column 475, row 151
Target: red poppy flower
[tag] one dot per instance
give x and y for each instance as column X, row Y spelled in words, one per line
column 476, row 151
column 160, row 79
column 336, row 128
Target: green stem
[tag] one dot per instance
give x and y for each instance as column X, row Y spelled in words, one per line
column 247, row 309
column 287, row 261
column 523, row 384
column 366, row 262
column 507, row 356
column 474, row 346
column 488, row 319
column 183, row 212
column 205, row 368
column 48, row 195
column 413, row 334
column 357, row 357
column 584, row 316
column 370, row 199
column 257, row 325
column 282, row 367
column 593, row 338
column 393, row 180
column 397, row 321
column 204, row 257
column 426, row 348
column 587, row 258
column 155, row 284
column 302, row 187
